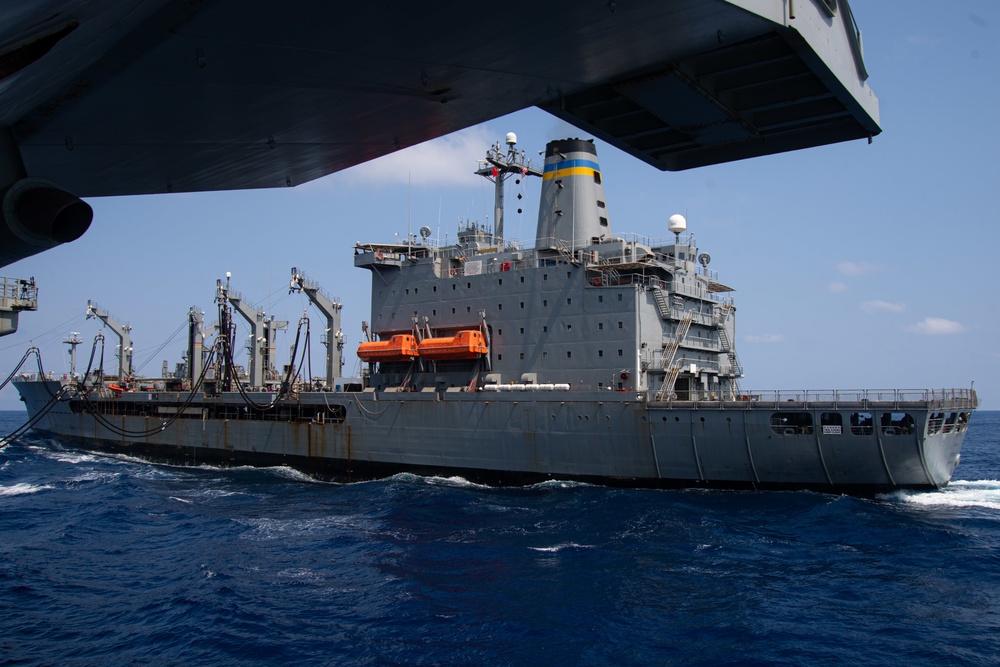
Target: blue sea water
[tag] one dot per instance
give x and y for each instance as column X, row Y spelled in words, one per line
column 106, row 561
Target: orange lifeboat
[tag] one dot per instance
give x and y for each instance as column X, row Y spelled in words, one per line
column 401, row 347
column 466, row 344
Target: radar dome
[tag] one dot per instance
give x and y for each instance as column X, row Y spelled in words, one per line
column 511, row 138
column 677, row 223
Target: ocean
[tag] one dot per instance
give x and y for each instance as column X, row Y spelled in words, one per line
column 110, row 561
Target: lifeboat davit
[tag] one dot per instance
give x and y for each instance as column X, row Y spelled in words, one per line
column 466, row 344
column 401, row 347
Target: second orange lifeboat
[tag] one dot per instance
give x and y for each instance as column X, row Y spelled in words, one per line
column 466, row 344
column 401, row 347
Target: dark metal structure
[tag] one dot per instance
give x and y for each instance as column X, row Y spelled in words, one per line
column 117, row 97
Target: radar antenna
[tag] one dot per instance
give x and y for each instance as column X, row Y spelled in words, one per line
column 497, row 167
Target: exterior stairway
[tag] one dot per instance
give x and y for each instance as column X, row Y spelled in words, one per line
column 668, row 357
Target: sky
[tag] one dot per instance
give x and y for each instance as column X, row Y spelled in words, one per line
column 856, row 266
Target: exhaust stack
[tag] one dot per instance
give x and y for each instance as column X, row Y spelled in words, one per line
column 572, row 210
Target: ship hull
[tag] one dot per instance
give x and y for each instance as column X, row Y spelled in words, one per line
column 611, row 438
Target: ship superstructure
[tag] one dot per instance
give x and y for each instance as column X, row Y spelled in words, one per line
column 583, row 308
column 587, row 355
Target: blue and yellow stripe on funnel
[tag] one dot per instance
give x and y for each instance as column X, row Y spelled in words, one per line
column 565, row 168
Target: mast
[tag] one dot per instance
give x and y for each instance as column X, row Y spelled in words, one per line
column 497, row 167
column 73, row 339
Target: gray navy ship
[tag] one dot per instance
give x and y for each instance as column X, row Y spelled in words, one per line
column 587, row 356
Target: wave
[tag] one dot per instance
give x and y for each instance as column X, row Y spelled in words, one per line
column 960, row 493
column 568, row 546
column 64, row 456
column 22, row 489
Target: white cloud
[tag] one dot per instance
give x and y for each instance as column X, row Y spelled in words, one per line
column 837, row 287
column 878, row 306
column 857, row 268
column 765, row 338
column 449, row 160
column 936, row 326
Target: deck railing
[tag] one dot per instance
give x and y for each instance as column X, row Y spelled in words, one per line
column 785, row 398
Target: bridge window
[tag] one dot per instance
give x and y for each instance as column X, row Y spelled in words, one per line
column 862, row 423
column 792, row 423
column 897, row 423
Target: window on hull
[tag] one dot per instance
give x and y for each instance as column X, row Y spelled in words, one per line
column 792, row 423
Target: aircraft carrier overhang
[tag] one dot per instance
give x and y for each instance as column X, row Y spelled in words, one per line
column 119, row 97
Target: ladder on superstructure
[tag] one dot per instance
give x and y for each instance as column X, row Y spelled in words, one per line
column 727, row 346
column 669, row 355
column 661, row 302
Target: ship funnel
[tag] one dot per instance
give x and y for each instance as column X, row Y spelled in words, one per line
column 572, row 209
column 37, row 216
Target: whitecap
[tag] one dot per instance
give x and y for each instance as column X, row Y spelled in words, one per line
column 562, row 547
column 960, row 493
column 455, row 481
column 561, row 484
column 22, row 489
column 64, row 456
column 94, row 476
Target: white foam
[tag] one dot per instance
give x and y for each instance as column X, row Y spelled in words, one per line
column 562, row 547
column 559, row 484
column 69, row 457
column 22, row 489
column 961, row 493
column 456, row 481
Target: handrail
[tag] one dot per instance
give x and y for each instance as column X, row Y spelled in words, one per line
column 963, row 397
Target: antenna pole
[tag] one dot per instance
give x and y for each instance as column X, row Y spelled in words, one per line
column 497, row 167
